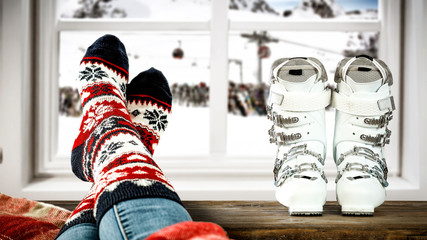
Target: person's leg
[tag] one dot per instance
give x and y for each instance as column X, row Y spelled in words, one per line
column 138, row 218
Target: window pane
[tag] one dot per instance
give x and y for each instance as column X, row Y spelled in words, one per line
column 188, row 121
column 303, row 9
column 144, row 9
column 249, row 75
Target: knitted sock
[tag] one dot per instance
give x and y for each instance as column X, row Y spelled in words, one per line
column 108, row 150
column 83, row 213
column 149, row 102
column 101, row 84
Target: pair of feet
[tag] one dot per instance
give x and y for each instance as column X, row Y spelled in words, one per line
column 296, row 106
column 121, row 126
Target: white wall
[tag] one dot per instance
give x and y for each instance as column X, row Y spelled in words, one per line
column 1, row 40
column 15, row 97
column 414, row 87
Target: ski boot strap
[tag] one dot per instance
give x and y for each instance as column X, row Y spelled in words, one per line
column 362, row 106
column 298, row 101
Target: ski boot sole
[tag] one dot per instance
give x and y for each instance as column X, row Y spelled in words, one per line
column 357, row 211
column 306, row 211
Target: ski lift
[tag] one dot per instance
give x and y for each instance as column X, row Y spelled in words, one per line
column 263, row 51
column 178, row 53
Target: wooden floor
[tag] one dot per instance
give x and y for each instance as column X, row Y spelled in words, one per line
column 270, row 220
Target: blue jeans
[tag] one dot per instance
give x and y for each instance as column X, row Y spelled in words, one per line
column 131, row 219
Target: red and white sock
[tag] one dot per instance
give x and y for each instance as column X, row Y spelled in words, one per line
column 149, row 102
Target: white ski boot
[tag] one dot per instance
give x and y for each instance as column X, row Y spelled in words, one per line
column 364, row 107
column 296, row 105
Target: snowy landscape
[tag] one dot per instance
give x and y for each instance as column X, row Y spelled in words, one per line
column 245, row 135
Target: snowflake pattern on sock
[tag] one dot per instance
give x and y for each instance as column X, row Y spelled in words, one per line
column 158, row 120
column 92, row 72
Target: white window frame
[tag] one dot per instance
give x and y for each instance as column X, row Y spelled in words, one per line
column 213, row 178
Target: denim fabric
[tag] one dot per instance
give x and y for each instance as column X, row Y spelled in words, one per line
column 131, row 219
column 138, row 218
column 83, row 231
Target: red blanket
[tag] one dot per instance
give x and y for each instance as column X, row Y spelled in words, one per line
column 21, row 218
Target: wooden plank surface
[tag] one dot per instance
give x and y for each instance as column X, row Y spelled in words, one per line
column 270, row 220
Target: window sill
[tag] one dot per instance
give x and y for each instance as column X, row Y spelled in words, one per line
column 209, row 187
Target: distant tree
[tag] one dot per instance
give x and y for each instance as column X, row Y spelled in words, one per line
column 255, row 6
column 98, row 9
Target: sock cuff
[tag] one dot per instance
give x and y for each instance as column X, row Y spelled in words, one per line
column 84, row 217
column 83, row 213
column 132, row 189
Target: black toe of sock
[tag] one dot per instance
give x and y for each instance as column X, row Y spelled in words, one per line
column 111, row 49
column 151, row 82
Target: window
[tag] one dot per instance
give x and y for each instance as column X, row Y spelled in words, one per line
column 211, row 136
column 226, row 171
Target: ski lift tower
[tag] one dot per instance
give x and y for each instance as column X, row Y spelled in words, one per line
column 263, row 51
